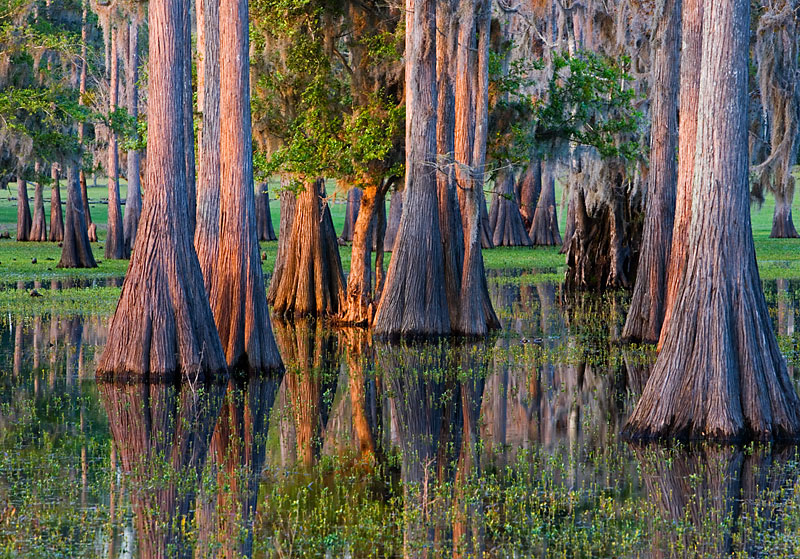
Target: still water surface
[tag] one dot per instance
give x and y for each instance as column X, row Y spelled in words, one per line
column 502, row 448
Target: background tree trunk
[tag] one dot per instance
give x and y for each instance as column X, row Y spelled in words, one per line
column 287, row 214
column 311, row 281
column 544, row 225
column 163, row 324
column 133, row 202
column 720, row 374
column 414, row 300
column 81, row 125
column 39, row 225
column 505, row 219
column 23, row 211
column 115, row 238
column 56, row 216
column 263, row 214
column 351, row 213
column 188, row 123
column 76, row 251
column 646, row 313
column 691, row 55
column 529, row 187
column 393, row 222
column 238, row 297
column 206, row 233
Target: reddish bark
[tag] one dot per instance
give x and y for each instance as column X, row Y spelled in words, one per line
column 544, row 225
column 115, row 237
column 38, row 226
column 288, row 201
column 56, row 215
column 529, row 187
column 351, row 213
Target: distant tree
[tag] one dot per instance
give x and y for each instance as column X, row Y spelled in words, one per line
column 720, row 373
column 263, row 214
column 76, row 251
column 23, row 211
column 163, row 325
column 56, row 211
column 649, row 294
column 39, row 225
column 115, row 236
column 133, row 201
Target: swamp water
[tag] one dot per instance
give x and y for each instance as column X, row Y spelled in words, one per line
column 502, row 448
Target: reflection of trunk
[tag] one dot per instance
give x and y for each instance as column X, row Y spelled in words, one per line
column 287, row 213
column 393, row 222
column 238, row 297
column 163, row 324
column 358, row 352
column 505, row 219
column 236, row 460
column 161, row 434
column 56, row 215
column 720, row 373
column 351, row 213
column 38, row 226
column 133, row 202
column 115, row 238
column 544, row 225
column 529, row 187
column 23, row 211
column 263, row 214
column 312, row 281
column 76, row 251
column 468, row 536
column 17, row 367
column 309, row 353
column 647, row 303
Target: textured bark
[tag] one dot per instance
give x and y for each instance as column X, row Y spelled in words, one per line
column 351, row 213
column 380, row 233
column 413, row 300
column 646, row 313
column 529, row 187
column 188, row 121
column 505, row 219
column 544, row 225
column 23, row 211
column 393, row 222
column 691, row 55
column 56, row 215
column 163, row 324
column 76, row 251
column 206, row 233
column 358, row 305
column 39, row 225
column 287, row 213
column 782, row 224
column 312, row 280
column 263, row 215
column 115, row 236
column 161, row 433
column 720, row 374
column 133, row 202
column 238, row 297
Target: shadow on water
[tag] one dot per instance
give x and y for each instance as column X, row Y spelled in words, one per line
column 507, row 447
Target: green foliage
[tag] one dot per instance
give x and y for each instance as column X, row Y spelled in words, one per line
column 588, row 101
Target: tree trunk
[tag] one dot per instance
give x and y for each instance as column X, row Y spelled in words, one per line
column 39, row 225
column 691, row 55
column 393, row 223
column 646, row 312
column 414, row 300
column 544, row 225
column 238, row 297
column 449, row 206
column 351, row 213
column 263, row 215
column 133, row 202
column 206, row 233
column 782, row 224
column 380, row 233
column 505, row 219
column 312, row 281
column 115, row 237
column 163, row 325
column 530, row 185
column 23, row 211
column 188, row 123
column 287, row 214
column 81, row 125
column 720, row 374
column 56, row 216
column 76, row 251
